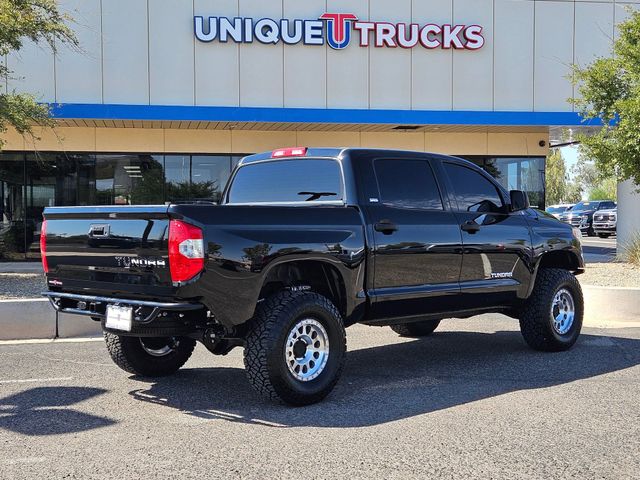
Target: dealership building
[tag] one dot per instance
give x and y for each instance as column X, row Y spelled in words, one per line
column 165, row 96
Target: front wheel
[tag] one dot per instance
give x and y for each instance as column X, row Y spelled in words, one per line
column 416, row 329
column 551, row 319
column 149, row 357
column 603, row 235
column 295, row 348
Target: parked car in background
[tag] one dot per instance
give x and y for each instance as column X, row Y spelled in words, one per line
column 557, row 210
column 581, row 215
column 605, row 222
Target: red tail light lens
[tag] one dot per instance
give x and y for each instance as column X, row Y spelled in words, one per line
column 186, row 251
column 43, row 246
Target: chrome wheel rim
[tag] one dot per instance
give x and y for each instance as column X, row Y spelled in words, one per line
column 563, row 311
column 158, row 350
column 306, row 351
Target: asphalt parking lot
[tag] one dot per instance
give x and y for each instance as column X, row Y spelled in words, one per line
column 599, row 250
column 470, row 402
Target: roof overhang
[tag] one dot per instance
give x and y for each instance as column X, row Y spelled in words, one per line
column 272, row 118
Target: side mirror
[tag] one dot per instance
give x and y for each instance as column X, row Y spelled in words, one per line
column 519, row 200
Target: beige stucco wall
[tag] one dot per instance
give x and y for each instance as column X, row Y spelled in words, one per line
column 160, row 140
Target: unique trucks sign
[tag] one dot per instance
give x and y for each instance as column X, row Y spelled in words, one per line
column 337, row 30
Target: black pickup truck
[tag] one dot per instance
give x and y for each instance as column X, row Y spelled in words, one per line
column 304, row 243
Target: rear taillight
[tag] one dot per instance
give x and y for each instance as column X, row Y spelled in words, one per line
column 186, row 251
column 289, row 152
column 43, row 246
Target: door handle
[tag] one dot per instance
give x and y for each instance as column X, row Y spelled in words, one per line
column 386, row 227
column 470, row 227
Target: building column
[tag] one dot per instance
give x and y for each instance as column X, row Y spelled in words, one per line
column 628, row 214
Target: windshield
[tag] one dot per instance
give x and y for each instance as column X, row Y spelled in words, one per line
column 556, row 209
column 585, row 206
column 287, row 181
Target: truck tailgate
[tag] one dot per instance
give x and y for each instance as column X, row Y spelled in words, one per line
column 109, row 250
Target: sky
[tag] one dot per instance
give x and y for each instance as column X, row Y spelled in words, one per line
column 570, row 155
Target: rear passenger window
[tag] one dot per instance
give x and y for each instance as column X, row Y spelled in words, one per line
column 407, row 183
column 287, row 181
column 473, row 192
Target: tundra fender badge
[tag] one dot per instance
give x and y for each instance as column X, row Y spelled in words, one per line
column 502, row 275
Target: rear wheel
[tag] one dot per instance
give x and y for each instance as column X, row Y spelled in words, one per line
column 149, row 357
column 295, row 348
column 551, row 319
column 416, row 329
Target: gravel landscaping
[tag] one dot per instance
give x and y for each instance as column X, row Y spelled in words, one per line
column 613, row 274
column 21, row 285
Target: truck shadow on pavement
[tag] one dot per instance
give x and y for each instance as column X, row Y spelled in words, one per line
column 46, row 411
column 397, row 381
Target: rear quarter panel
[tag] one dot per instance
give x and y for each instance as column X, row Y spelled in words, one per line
column 243, row 243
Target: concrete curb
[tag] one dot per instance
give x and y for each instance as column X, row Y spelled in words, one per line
column 35, row 318
column 611, row 306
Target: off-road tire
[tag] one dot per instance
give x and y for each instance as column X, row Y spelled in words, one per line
column 129, row 354
column 264, row 352
column 416, row 329
column 536, row 322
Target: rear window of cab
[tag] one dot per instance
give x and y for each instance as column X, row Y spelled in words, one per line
column 308, row 180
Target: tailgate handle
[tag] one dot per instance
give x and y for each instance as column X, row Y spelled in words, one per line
column 99, row 231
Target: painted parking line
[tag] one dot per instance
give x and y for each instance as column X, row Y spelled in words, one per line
column 51, row 340
column 38, row 380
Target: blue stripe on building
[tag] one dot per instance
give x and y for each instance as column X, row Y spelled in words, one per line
column 316, row 115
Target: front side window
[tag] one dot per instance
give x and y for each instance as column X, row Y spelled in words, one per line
column 286, row 181
column 473, row 192
column 408, row 184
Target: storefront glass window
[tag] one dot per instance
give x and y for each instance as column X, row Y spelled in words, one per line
column 520, row 174
column 209, row 175
column 29, row 182
column 129, row 179
column 51, row 179
column 12, row 211
column 177, row 175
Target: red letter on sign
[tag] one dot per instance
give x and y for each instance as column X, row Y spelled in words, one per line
column 450, row 36
column 428, row 42
column 364, row 28
column 474, row 37
column 410, row 42
column 385, row 33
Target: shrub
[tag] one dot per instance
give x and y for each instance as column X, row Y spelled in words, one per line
column 630, row 251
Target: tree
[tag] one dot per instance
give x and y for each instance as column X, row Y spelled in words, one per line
column 609, row 90
column 606, row 189
column 596, row 185
column 556, row 178
column 574, row 193
column 38, row 21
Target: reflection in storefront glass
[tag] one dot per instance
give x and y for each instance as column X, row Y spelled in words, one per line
column 525, row 174
column 518, row 173
column 30, row 182
column 12, row 212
